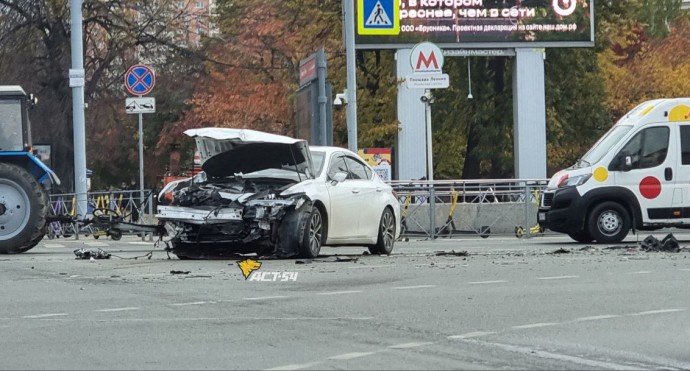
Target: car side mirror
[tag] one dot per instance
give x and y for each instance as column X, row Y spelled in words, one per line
column 339, row 177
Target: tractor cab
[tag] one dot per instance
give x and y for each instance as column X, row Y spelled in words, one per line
column 15, row 130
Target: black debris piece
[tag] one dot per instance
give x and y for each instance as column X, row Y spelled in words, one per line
column 180, row 272
column 668, row 244
column 91, row 253
column 305, row 261
column 336, row 259
column 561, row 251
column 621, row 247
column 452, row 253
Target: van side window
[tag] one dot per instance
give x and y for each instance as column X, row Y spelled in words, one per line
column 648, row 148
column 685, row 144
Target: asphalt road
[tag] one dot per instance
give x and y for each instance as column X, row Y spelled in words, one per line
column 509, row 304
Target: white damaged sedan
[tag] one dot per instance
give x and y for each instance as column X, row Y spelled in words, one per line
column 275, row 195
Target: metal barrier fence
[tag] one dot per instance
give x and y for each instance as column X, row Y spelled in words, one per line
column 127, row 205
column 436, row 209
column 452, row 207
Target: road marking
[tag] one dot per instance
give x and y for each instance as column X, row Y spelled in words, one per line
column 531, row 352
column 535, row 325
column 96, row 244
column 658, row 311
column 414, row 287
column 294, row 367
column 266, row 297
column 596, row 318
column 558, row 277
column 351, row 355
column 485, row 282
column 471, row 335
column 409, row 345
column 339, row 292
column 641, row 272
column 118, row 309
column 215, row 319
column 47, row 315
column 192, row 303
column 53, row 245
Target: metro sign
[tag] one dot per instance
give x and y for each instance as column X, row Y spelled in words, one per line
column 426, row 57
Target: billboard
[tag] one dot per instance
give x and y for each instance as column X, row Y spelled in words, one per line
column 477, row 23
column 380, row 159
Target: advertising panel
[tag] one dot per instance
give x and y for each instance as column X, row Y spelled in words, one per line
column 380, row 159
column 478, row 23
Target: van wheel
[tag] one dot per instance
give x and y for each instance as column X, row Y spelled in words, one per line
column 582, row 237
column 608, row 222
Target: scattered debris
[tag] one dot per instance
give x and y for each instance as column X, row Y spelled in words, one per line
column 668, row 244
column 91, row 254
column 621, row 247
column 336, row 259
column 305, row 261
column 180, row 272
column 588, row 248
column 452, row 253
column 561, row 251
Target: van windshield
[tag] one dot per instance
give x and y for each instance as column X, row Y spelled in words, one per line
column 604, row 145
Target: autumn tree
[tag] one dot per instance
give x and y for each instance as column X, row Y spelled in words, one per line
column 35, row 53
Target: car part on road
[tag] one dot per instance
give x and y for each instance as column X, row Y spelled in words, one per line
column 91, row 254
column 668, row 244
column 452, row 253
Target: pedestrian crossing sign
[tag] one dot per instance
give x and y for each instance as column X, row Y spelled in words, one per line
column 378, row 17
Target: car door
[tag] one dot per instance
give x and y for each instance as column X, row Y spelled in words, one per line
column 651, row 174
column 342, row 219
column 366, row 197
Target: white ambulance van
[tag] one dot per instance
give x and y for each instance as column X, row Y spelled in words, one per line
column 637, row 176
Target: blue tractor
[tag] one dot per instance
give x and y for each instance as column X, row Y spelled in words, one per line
column 25, row 181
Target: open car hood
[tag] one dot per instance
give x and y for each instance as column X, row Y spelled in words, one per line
column 226, row 152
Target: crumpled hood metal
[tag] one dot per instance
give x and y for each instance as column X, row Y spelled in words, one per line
column 226, row 152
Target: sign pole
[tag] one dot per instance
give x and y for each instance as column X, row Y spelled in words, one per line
column 141, row 162
column 351, row 113
column 78, row 111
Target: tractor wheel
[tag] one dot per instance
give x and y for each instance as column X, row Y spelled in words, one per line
column 23, row 209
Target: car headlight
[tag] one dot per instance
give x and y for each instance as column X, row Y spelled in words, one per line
column 575, row 181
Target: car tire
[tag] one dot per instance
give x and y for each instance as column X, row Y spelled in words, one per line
column 608, row 222
column 581, row 237
column 115, row 234
column 312, row 234
column 386, row 235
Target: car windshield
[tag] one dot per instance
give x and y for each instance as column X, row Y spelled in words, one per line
column 317, row 157
column 604, row 145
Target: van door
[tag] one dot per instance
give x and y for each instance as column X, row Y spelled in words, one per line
column 646, row 165
column 683, row 176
